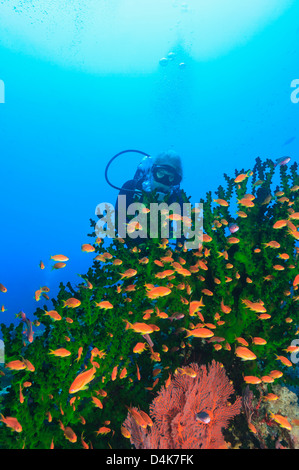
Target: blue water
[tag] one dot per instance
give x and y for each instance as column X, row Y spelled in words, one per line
column 60, row 124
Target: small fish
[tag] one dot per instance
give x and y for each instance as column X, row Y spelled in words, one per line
column 11, row 422
column 105, row 304
column 282, row 161
column 258, row 340
column 138, row 327
column 128, row 273
column 87, row 248
column 272, row 244
column 280, row 224
column 202, row 417
column 16, row 365
column 245, row 202
column 264, row 316
column 146, row 417
column 137, row 417
column 276, row 374
column 156, row 292
column 103, row 430
column 233, row 228
column 138, row 372
column 245, row 354
column 258, row 183
column 296, row 281
column 225, row 308
column 71, row 303
column 251, row 379
column 53, row 314
column 242, row 341
column 62, row 352
column 82, row 380
column 271, row 397
column 233, row 240
column 222, row 202
column 3, row 288
column 281, row 420
column 59, row 266
column 60, row 258
column 200, row 333
column 70, row 435
column 123, row 373
column 252, row 428
column 284, row 360
column 176, row 316
column 125, row 432
column 97, row 402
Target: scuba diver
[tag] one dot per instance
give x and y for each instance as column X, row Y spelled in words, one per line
column 162, row 175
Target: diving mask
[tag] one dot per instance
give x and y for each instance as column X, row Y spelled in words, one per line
column 166, row 174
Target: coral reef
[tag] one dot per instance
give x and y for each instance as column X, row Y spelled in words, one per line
column 140, row 313
column 190, row 413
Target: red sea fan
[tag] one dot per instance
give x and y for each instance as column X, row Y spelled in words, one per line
column 175, row 412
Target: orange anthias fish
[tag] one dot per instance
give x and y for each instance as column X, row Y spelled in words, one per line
column 29, row 365
column 53, row 314
column 272, row 244
column 68, row 433
column 105, row 304
column 276, row 374
column 128, row 273
column 245, row 354
column 86, row 247
column 82, row 380
column 194, row 306
column 251, row 379
column 137, row 417
column 280, row 224
column 123, row 373
column 271, row 397
column 240, row 178
column 160, row 291
column 252, row 428
column 245, row 202
column 254, row 306
column 71, row 303
column 16, row 365
column 242, row 341
column 260, row 341
column 103, row 430
column 142, row 328
column 139, row 348
column 125, row 432
column 3, row 288
column 138, row 372
column 281, row 420
column 200, row 333
column 264, row 316
column 62, row 352
column 146, row 418
column 60, row 258
column 97, row 402
column 221, row 202
column 225, row 308
column 80, row 350
column 284, row 360
column 11, row 423
column 114, row 373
